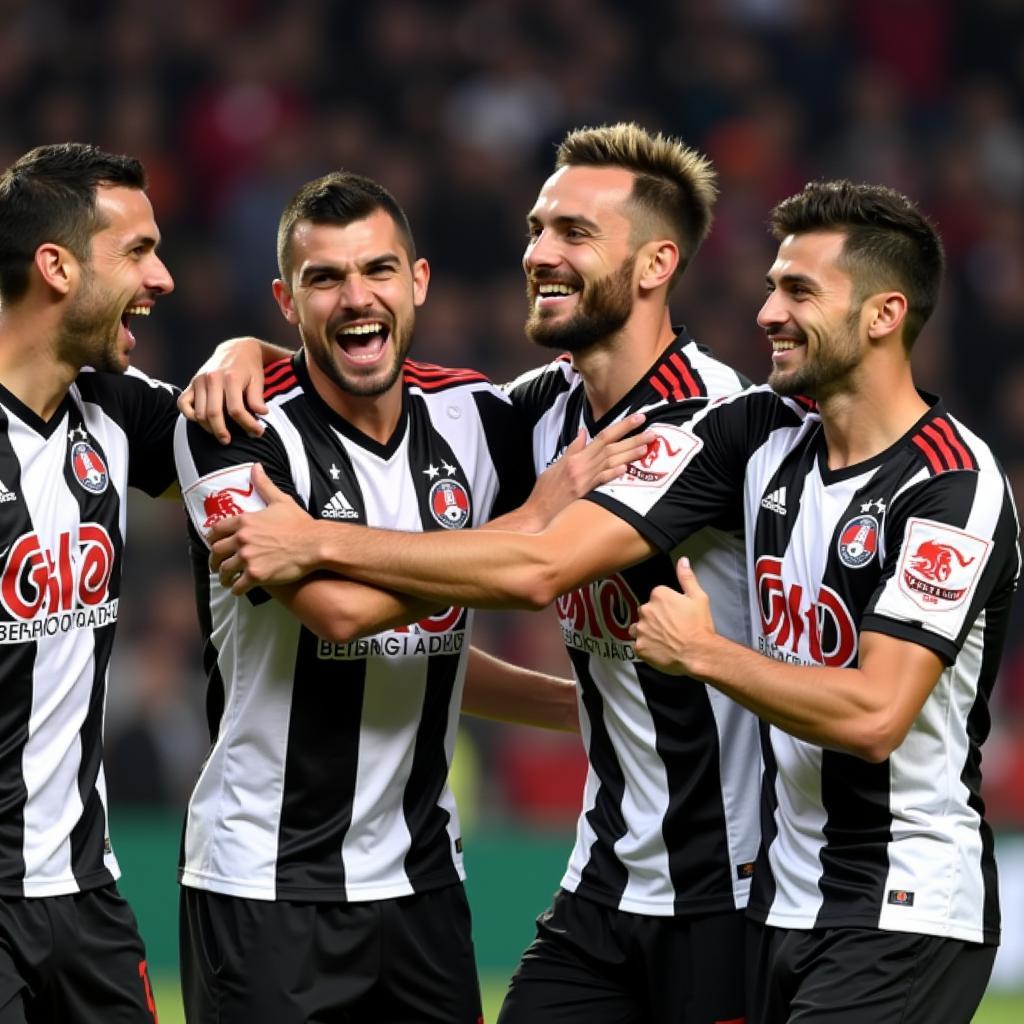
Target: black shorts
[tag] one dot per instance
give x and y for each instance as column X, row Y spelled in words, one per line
column 591, row 964
column 72, row 958
column 399, row 961
column 853, row 975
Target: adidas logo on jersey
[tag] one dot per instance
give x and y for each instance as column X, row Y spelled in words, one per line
column 338, row 508
column 775, row 501
column 5, row 494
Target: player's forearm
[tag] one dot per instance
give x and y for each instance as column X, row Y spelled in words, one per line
column 508, row 693
column 342, row 610
column 481, row 569
column 837, row 708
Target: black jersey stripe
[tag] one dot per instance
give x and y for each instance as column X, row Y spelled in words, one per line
column 428, row 861
column 604, row 875
column 964, row 457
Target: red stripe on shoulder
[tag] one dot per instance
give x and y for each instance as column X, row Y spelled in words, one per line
column 430, row 377
column 930, row 454
column 278, row 377
column 964, row 456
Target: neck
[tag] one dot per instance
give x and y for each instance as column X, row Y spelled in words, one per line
column 29, row 366
column 863, row 420
column 611, row 368
column 374, row 415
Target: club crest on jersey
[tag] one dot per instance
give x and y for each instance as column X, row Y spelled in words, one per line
column 940, row 565
column 664, row 458
column 228, row 492
column 858, row 542
column 89, row 469
column 449, row 504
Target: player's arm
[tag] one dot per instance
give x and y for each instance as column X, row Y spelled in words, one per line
column 478, row 568
column 341, row 611
column 866, row 711
column 495, row 689
column 230, row 381
column 583, row 466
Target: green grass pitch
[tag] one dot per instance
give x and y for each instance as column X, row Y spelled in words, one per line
column 998, row 1008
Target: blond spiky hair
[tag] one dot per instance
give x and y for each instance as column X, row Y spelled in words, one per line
column 674, row 184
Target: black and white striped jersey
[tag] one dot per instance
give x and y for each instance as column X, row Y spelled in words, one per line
column 669, row 822
column 327, row 777
column 63, row 487
column 919, row 543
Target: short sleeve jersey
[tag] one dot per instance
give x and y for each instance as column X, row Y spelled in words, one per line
column 327, row 778
column 919, row 543
column 63, row 489
column 669, row 821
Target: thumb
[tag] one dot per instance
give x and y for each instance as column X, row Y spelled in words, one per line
column 687, row 578
column 265, row 487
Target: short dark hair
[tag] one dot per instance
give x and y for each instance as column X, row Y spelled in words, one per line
column 49, row 195
column 672, row 183
column 890, row 243
column 340, row 198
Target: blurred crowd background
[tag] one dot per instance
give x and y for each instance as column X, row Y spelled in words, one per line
column 457, row 107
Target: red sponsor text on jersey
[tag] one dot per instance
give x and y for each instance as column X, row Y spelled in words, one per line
column 785, row 615
column 74, row 574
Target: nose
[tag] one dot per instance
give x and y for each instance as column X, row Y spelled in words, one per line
column 159, row 280
column 540, row 252
column 354, row 293
column 772, row 311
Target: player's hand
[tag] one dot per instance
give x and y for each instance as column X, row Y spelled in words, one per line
column 230, row 380
column 262, row 548
column 671, row 625
column 581, row 468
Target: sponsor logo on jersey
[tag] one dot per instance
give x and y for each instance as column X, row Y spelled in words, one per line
column 858, row 542
column 596, row 618
column 47, row 591
column 441, row 633
column 665, row 457
column 6, row 494
column 338, row 507
column 940, row 565
column 798, row 629
column 227, row 492
column 88, row 467
column 775, row 501
column 449, row 504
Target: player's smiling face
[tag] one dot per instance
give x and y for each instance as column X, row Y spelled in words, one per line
column 580, row 258
column 121, row 279
column 353, row 294
column 809, row 317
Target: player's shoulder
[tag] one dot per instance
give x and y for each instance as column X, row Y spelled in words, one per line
column 430, row 378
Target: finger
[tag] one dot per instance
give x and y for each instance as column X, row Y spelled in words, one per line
column 621, row 428
column 687, row 578
column 234, row 402
column 186, row 405
column 265, row 487
column 254, row 398
column 243, row 584
column 221, row 531
column 579, row 442
column 215, row 421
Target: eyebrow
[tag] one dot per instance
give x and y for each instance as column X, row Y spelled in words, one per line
column 791, row 279
column 387, row 259
column 564, row 221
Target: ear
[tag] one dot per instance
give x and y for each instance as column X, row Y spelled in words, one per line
column 885, row 314
column 57, row 267
column 420, row 281
column 283, row 295
column 657, row 262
